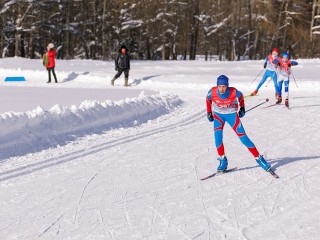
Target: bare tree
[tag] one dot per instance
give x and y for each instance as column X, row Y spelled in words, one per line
column 315, row 19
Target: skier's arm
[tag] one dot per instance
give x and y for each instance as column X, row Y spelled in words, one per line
column 240, row 97
column 276, row 61
column 242, row 110
column 293, row 63
column 265, row 63
column 128, row 61
column 209, row 102
column 116, row 62
column 209, row 106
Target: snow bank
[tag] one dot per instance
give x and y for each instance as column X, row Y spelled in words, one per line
column 41, row 129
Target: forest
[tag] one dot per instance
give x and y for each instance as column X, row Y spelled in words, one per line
column 229, row 30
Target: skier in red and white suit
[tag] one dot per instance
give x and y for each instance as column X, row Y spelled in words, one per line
column 284, row 73
column 224, row 101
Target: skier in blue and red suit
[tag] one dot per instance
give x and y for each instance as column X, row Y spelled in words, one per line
column 284, row 73
column 270, row 71
column 225, row 101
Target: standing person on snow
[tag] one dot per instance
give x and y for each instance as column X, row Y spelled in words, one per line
column 270, row 71
column 284, row 73
column 122, row 64
column 51, row 54
column 224, row 102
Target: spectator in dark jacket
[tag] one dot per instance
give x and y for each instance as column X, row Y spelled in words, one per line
column 51, row 54
column 122, row 64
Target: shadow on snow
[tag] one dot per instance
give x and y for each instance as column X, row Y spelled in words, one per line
column 72, row 76
column 278, row 162
column 138, row 81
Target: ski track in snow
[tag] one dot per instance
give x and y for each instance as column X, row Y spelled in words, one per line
column 142, row 181
column 36, row 166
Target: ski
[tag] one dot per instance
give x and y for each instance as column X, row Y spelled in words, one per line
column 272, row 105
column 273, row 173
column 247, row 96
column 219, row 173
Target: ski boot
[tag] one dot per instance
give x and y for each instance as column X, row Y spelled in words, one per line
column 263, row 163
column 112, row 81
column 254, row 93
column 279, row 100
column 286, row 103
column 126, row 82
column 223, row 163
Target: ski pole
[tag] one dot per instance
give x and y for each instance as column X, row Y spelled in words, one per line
column 267, row 100
column 268, row 81
column 294, row 78
column 257, row 75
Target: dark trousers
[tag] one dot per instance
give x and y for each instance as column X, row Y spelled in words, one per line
column 120, row 70
column 54, row 74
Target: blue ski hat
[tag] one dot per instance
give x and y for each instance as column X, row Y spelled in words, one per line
column 285, row 54
column 223, row 80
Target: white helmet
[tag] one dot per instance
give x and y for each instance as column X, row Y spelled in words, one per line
column 50, row 45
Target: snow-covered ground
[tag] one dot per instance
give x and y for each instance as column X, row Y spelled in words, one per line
column 83, row 160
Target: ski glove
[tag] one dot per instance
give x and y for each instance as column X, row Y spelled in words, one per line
column 210, row 116
column 265, row 65
column 242, row 112
column 276, row 61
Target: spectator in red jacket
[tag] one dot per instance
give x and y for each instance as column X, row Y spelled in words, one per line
column 51, row 53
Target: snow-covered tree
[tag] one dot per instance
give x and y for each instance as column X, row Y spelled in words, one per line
column 160, row 29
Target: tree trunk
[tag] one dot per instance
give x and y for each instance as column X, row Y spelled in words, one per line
column 103, row 34
column 163, row 52
column 219, row 48
column 17, row 34
column 234, row 37
column 194, row 31
column 174, row 45
column 275, row 37
column 17, row 41
column 163, row 46
column 255, row 46
column 284, row 42
column 148, row 49
column 67, row 32
column 233, row 50
column 315, row 6
column 249, row 41
column 22, row 50
column 31, row 46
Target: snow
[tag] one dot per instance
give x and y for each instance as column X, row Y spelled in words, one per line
column 131, row 24
column 216, row 26
column 84, row 160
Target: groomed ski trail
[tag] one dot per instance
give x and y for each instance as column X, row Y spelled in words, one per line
column 143, row 182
